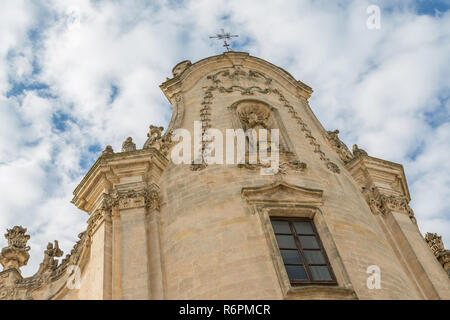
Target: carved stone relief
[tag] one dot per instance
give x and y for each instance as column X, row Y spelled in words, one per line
column 158, row 141
column 437, row 247
column 128, row 145
column 263, row 87
column 15, row 255
column 384, row 204
column 145, row 197
column 340, row 147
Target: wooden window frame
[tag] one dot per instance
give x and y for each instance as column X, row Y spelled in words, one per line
column 300, row 250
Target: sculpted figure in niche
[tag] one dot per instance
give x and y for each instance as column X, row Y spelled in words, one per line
column 256, row 116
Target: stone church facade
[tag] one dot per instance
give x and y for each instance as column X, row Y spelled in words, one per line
column 330, row 224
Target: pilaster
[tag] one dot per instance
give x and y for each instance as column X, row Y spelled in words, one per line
column 384, row 186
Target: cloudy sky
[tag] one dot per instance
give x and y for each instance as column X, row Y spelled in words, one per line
column 76, row 76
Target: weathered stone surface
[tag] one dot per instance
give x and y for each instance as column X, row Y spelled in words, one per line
column 157, row 230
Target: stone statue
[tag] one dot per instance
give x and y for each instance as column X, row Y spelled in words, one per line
column 157, row 140
column 50, row 263
column 128, row 145
column 108, row 150
column 358, row 152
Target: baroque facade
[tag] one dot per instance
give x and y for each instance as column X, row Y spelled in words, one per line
column 157, row 230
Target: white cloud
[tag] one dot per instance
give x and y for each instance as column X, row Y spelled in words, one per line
column 381, row 88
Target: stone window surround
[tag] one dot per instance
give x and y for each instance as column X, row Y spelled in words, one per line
column 343, row 290
column 302, row 251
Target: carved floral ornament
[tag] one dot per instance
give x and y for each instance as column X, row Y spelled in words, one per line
column 17, row 239
column 383, row 204
column 264, row 87
column 15, row 255
column 122, row 199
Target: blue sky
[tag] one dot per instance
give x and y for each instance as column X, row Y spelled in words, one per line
column 76, row 76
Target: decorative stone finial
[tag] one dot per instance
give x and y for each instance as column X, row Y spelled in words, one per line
column 435, row 242
column 15, row 255
column 108, row 150
column 437, row 247
column 128, row 145
column 358, row 152
column 180, row 67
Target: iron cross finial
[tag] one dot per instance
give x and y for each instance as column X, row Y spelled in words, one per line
column 224, row 36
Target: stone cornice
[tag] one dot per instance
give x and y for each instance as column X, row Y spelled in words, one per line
column 108, row 170
column 282, row 192
column 373, row 172
column 321, row 292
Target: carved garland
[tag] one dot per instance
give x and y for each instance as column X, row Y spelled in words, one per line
column 146, row 197
column 216, row 86
column 384, row 204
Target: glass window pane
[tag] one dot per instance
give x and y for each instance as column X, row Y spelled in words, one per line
column 291, row 256
column 309, row 242
column 281, row 227
column 314, row 257
column 286, row 242
column 296, row 273
column 303, row 227
column 320, row 273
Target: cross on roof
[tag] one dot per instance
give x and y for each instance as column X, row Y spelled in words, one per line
column 224, row 36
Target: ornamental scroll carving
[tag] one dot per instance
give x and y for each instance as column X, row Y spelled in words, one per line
column 384, row 204
column 263, row 85
column 339, row 146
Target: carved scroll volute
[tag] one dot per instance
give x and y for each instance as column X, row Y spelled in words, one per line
column 15, row 255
